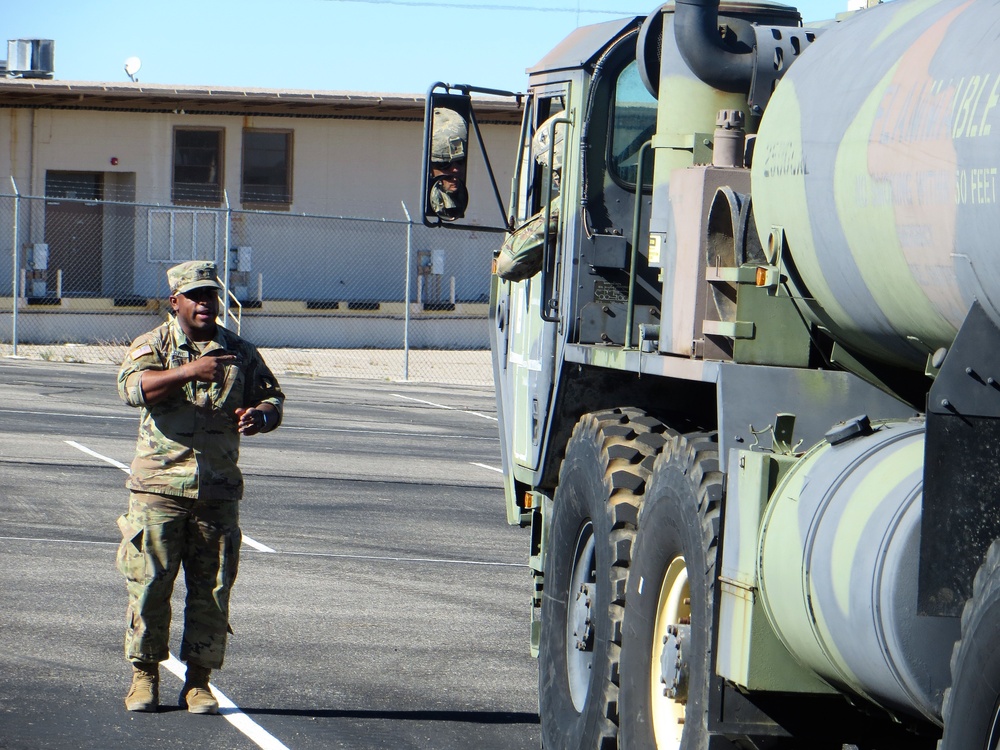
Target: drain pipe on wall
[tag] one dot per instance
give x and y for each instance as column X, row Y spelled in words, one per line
column 225, row 263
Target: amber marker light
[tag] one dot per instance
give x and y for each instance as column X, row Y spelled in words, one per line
column 767, row 276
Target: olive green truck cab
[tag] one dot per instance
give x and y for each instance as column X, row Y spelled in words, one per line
column 745, row 319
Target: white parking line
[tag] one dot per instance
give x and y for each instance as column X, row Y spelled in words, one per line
column 247, row 540
column 284, row 427
column 231, row 712
column 256, row 545
column 386, row 558
column 393, row 433
column 65, row 414
column 442, row 406
column 97, row 455
column 327, row 555
column 484, row 466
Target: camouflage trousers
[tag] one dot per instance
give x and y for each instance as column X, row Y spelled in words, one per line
column 161, row 534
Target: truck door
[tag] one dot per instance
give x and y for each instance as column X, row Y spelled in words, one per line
column 525, row 355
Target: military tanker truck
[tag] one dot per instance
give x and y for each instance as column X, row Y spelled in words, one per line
column 749, row 388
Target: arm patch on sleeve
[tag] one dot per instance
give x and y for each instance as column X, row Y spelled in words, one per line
column 143, row 351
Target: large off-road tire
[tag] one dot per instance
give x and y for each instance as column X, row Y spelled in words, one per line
column 667, row 631
column 608, row 460
column 972, row 703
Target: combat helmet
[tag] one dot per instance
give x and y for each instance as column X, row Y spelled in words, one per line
column 451, row 133
column 540, row 143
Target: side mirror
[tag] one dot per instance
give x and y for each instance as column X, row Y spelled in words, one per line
column 446, row 150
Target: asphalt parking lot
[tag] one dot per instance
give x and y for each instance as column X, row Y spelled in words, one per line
column 381, row 599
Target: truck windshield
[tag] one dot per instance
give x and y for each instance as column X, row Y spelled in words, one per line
column 634, row 121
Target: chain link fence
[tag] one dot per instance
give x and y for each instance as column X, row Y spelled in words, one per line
column 81, row 276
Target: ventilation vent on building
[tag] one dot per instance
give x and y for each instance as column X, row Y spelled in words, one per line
column 31, row 58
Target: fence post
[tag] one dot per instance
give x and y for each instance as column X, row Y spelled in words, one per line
column 225, row 262
column 15, row 296
column 406, row 296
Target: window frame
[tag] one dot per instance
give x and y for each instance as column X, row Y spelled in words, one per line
column 268, row 203
column 220, row 184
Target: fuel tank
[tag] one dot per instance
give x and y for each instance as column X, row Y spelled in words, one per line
column 875, row 173
column 837, row 571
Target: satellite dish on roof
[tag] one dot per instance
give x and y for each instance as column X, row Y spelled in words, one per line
column 132, row 66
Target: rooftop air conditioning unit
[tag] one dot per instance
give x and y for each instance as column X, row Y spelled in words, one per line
column 31, row 58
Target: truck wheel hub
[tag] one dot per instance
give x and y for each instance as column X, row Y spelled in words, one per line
column 673, row 662
column 583, row 632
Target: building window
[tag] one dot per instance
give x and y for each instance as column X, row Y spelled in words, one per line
column 197, row 166
column 267, row 167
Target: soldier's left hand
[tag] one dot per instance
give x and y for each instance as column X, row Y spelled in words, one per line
column 249, row 421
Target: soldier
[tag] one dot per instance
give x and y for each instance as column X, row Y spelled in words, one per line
column 448, row 195
column 520, row 256
column 199, row 387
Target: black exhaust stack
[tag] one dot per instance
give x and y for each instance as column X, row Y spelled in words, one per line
column 717, row 57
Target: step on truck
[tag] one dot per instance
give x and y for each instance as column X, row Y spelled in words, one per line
column 745, row 320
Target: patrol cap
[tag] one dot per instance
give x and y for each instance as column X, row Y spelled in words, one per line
column 192, row 275
column 451, row 132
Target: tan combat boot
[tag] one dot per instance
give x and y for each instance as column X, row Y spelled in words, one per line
column 144, row 693
column 196, row 695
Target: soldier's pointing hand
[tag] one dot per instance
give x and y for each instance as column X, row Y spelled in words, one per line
column 211, row 369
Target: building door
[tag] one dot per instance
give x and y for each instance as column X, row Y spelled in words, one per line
column 74, row 230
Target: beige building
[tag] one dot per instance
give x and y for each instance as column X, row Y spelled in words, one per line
column 135, row 176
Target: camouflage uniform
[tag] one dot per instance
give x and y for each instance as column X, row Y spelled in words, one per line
column 186, row 487
column 449, row 205
column 520, row 256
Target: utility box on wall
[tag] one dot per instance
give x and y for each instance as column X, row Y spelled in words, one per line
column 37, row 271
column 240, row 265
column 430, row 262
column 437, row 262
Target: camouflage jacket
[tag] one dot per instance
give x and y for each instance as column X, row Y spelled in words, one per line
column 188, row 442
column 520, row 256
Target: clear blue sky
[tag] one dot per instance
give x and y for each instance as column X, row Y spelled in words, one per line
column 389, row 46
